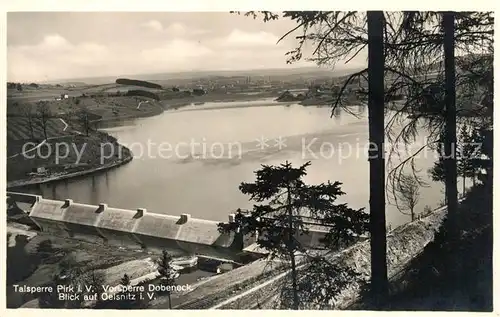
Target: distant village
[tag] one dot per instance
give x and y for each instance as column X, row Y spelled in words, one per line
column 302, row 88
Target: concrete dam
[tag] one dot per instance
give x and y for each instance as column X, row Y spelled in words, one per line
column 139, row 228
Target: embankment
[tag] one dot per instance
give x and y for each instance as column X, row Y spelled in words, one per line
column 254, row 287
column 73, row 164
column 67, row 157
column 55, row 178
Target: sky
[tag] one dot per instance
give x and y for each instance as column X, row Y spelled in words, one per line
column 57, row 45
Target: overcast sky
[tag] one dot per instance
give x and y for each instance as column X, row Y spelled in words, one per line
column 54, row 45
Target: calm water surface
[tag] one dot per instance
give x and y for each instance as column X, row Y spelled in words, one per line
column 192, row 160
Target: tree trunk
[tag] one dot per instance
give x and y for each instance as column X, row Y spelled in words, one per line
column 169, row 301
column 87, row 124
column 376, row 60
column 463, row 185
column 30, row 123
column 45, row 130
column 450, row 121
column 43, row 124
column 294, row 282
column 292, row 254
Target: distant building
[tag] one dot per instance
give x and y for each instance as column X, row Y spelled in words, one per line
column 40, row 169
column 62, row 96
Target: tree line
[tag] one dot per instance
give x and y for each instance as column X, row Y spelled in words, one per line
column 19, row 86
column 41, row 113
column 140, row 83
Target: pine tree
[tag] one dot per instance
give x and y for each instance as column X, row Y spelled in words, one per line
column 466, row 151
column 168, row 274
column 95, row 279
column 126, row 303
column 284, row 210
column 51, row 300
column 484, row 160
column 125, row 280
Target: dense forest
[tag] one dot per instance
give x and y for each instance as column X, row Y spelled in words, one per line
column 143, row 93
column 135, row 82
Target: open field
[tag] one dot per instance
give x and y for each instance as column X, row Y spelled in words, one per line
column 51, row 92
column 100, row 107
column 121, row 107
column 102, row 99
column 34, row 96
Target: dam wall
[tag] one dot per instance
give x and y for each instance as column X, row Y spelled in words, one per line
column 139, row 228
column 22, row 198
column 131, row 228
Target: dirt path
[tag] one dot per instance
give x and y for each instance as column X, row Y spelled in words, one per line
column 65, row 124
column 140, row 103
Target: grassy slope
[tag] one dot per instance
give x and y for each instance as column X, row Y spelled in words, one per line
column 94, row 154
column 454, row 275
column 18, row 130
column 120, row 107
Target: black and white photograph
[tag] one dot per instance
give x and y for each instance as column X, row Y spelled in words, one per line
column 249, row 160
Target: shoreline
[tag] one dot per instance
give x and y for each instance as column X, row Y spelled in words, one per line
column 157, row 111
column 172, row 104
column 175, row 104
column 54, row 178
column 50, row 179
column 129, row 117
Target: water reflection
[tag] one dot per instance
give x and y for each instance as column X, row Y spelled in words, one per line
column 106, row 177
column 54, row 192
column 94, row 190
